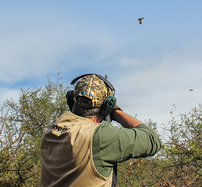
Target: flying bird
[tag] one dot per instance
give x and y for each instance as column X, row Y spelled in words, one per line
column 190, row 89
column 140, row 20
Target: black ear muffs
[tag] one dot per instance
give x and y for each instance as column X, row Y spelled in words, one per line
column 69, row 97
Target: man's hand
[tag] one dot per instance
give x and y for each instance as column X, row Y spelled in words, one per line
column 113, row 113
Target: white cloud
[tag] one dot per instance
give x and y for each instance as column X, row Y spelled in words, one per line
column 8, row 94
column 150, row 91
column 35, row 51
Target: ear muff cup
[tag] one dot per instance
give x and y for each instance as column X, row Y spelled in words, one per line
column 69, row 97
column 108, row 106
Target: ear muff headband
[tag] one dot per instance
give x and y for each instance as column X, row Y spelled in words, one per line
column 101, row 77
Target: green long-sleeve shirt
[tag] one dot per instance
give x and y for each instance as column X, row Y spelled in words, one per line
column 113, row 145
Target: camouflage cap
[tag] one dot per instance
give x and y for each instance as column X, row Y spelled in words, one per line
column 92, row 87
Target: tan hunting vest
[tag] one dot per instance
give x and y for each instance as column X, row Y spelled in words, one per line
column 66, row 154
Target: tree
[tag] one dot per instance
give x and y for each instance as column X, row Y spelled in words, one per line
column 185, row 147
column 179, row 163
column 22, row 126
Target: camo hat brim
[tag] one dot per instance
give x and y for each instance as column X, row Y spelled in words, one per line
column 92, row 87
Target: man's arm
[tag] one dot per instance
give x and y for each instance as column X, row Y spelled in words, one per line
column 124, row 119
column 113, row 145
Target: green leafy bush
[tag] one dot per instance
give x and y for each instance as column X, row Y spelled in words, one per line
column 22, row 126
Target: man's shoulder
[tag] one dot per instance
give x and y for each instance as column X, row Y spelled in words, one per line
column 106, row 127
column 106, row 132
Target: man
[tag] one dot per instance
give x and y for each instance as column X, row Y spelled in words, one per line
column 81, row 149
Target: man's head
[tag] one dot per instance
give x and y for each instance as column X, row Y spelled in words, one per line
column 89, row 94
column 93, row 95
column 93, row 88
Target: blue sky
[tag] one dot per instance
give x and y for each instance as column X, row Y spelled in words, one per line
column 152, row 66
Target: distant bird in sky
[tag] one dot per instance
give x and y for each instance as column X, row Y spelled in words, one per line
column 190, row 89
column 140, row 20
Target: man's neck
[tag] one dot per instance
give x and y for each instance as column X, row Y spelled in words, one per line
column 96, row 119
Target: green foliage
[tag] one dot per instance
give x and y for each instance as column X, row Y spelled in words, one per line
column 179, row 163
column 185, row 145
column 22, row 126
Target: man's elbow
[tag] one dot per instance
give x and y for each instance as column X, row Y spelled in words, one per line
column 156, row 146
